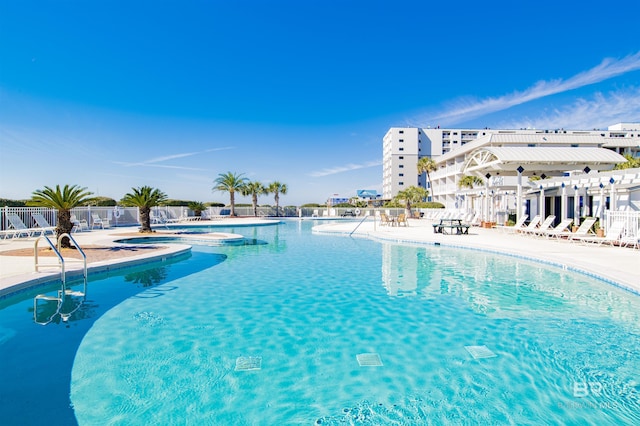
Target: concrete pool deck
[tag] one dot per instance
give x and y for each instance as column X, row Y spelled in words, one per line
column 618, row 265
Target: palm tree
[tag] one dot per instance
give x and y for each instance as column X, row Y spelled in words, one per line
column 144, row 198
column 230, row 182
column 276, row 188
column 413, row 194
column 427, row 165
column 62, row 200
column 254, row 189
column 631, row 163
column 470, row 181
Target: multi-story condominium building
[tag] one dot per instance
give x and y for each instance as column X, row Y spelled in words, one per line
column 453, row 149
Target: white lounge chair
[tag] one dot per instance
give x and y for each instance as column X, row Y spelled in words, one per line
column 43, row 224
column 79, row 225
column 612, row 235
column 544, row 226
column 518, row 225
column 17, row 227
column 532, row 225
column 559, row 230
column 584, row 230
column 97, row 221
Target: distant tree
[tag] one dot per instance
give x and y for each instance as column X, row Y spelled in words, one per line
column 254, row 189
column 469, row 181
column 12, row 203
column 427, row 165
column 144, row 198
column 631, row 163
column 231, row 183
column 197, row 207
column 276, row 188
column 101, row 202
column 63, row 200
column 413, row 194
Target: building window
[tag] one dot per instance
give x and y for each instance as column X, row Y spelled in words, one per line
column 401, row 166
column 401, row 158
column 401, row 140
column 401, row 131
column 401, row 174
column 400, row 183
column 401, row 149
column 531, row 145
column 574, row 145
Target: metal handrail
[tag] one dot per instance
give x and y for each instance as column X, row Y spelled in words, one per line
column 79, row 249
column 55, row 250
column 366, row 216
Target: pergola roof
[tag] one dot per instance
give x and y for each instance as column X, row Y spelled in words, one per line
column 550, row 160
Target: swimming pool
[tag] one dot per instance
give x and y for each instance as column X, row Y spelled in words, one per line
column 316, row 329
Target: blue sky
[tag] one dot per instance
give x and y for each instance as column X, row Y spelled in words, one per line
column 119, row 94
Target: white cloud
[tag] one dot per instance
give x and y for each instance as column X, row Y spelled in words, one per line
column 598, row 112
column 464, row 110
column 152, row 161
column 346, row 168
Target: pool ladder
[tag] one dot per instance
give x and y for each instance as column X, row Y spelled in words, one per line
column 67, row 299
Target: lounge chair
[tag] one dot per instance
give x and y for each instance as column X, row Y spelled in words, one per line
column 612, row 235
column 544, row 226
column 43, row 224
column 559, row 230
column 79, row 225
column 532, row 225
column 97, row 221
column 584, row 230
column 402, row 220
column 518, row 225
column 17, row 227
column 166, row 219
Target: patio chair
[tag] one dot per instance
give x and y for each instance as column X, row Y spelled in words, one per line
column 79, row 225
column 97, row 221
column 17, row 227
column 518, row 225
column 544, row 226
column 386, row 220
column 559, row 230
column 532, row 225
column 166, row 219
column 612, row 235
column 402, row 220
column 584, row 230
column 43, row 224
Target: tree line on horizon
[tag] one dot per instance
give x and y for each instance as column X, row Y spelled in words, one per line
column 65, row 198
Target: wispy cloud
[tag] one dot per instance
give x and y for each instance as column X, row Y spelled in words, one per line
column 346, row 168
column 465, row 110
column 153, row 162
column 597, row 112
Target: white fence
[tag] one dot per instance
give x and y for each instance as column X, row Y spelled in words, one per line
column 631, row 220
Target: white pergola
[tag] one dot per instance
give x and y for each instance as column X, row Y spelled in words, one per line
column 541, row 161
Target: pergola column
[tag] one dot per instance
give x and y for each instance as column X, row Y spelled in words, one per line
column 563, row 203
column 576, row 206
column 520, row 169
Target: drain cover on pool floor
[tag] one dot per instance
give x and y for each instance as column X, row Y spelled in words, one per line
column 478, row 352
column 248, row 363
column 369, row 360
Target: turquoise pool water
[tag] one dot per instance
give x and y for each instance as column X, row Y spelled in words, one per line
column 312, row 329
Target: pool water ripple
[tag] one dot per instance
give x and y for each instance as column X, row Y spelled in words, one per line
column 307, row 305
